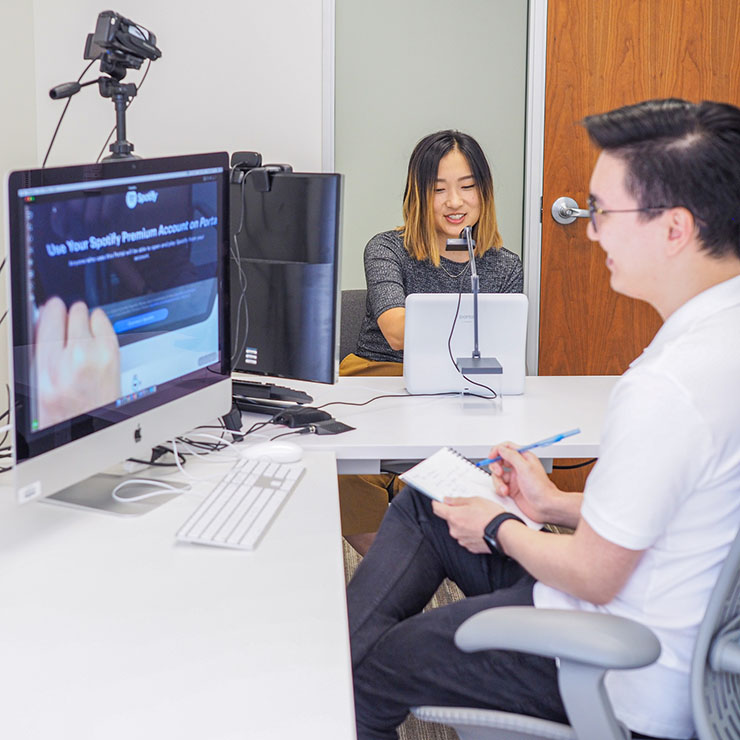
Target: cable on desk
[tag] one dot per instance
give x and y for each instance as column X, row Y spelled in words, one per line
column 259, row 424
column 302, row 430
column 166, row 488
column 157, row 452
column 401, row 395
column 576, row 465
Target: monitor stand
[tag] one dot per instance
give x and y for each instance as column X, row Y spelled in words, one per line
column 95, row 494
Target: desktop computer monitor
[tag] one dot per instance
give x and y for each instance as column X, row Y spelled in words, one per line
column 119, row 306
column 285, row 274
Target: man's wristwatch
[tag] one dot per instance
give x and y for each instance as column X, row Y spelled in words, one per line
column 490, row 533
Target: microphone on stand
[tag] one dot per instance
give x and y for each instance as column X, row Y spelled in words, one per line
column 475, row 364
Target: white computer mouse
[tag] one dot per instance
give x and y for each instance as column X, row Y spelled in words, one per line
column 278, row 451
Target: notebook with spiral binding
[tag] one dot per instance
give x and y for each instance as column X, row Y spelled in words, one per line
column 448, row 474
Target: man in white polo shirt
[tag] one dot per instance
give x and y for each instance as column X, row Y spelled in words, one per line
column 661, row 506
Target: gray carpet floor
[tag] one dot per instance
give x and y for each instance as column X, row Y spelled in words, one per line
column 413, row 729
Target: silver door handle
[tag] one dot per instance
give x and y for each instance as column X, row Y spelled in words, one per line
column 565, row 210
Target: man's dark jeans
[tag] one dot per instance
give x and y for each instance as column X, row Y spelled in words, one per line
column 403, row 658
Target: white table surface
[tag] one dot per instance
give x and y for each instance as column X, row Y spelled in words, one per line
column 109, row 629
column 413, row 427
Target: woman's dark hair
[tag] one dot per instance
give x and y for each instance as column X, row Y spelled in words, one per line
column 419, row 236
column 680, row 154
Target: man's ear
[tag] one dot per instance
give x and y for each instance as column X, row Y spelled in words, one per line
column 681, row 229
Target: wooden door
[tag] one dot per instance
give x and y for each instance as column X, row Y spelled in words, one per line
column 600, row 55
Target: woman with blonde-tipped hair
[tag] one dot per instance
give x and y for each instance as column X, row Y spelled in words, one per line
column 448, row 187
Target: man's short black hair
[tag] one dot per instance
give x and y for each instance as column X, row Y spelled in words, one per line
column 680, row 154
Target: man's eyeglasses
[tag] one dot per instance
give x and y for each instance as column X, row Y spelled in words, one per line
column 594, row 210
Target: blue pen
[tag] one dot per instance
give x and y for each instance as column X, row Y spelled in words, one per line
column 541, row 443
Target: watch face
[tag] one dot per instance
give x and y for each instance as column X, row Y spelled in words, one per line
column 489, row 534
column 491, row 543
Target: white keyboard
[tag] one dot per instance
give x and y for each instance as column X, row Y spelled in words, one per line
column 238, row 511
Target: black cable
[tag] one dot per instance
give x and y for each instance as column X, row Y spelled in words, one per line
column 59, row 123
column 221, row 428
column 258, row 425
column 157, row 452
column 149, row 463
column 241, row 277
column 2, row 264
column 285, row 434
column 201, row 445
column 449, row 343
column 398, row 395
column 7, row 413
column 576, row 465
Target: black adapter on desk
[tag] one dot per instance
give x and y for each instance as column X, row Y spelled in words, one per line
column 300, row 417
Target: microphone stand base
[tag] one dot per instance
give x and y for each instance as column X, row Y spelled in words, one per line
column 479, row 366
column 485, row 375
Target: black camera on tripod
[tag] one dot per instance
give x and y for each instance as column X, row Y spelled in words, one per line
column 120, row 44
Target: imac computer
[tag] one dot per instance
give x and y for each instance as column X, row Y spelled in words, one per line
column 285, row 276
column 119, row 305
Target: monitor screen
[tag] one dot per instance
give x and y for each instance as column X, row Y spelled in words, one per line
column 285, row 276
column 118, row 288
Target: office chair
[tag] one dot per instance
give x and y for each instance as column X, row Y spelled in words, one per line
column 589, row 644
column 352, row 313
column 353, row 306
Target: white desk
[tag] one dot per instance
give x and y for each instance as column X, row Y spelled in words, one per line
column 110, row 630
column 412, row 427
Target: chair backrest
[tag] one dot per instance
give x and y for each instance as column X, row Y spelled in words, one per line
column 353, row 311
column 715, row 683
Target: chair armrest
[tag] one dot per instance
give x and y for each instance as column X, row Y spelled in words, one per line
column 724, row 655
column 586, row 644
column 591, row 638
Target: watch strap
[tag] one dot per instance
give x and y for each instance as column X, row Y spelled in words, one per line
column 490, row 533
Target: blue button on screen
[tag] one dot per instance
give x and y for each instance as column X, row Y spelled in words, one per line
column 142, row 319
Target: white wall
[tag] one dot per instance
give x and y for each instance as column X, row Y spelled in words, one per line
column 17, row 129
column 405, row 69
column 234, row 74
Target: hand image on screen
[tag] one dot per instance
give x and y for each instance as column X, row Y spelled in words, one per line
column 77, row 361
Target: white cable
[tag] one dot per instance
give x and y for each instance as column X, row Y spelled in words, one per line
column 188, row 475
column 167, row 488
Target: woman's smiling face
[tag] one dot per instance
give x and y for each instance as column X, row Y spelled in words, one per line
column 456, row 197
